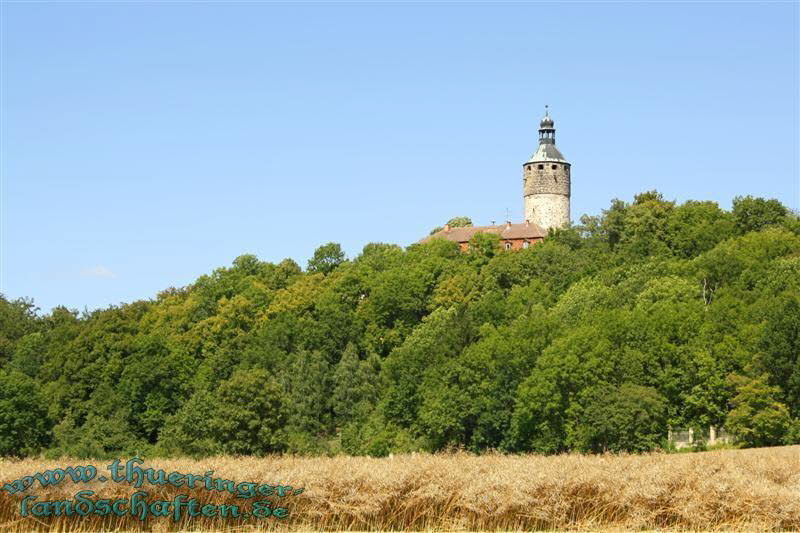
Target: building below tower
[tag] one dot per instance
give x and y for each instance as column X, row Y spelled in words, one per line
column 512, row 236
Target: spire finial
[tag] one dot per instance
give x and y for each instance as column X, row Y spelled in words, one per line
column 546, row 110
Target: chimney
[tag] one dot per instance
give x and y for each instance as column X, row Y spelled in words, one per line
column 527, row 222
column 508, row 224
column 447, row 227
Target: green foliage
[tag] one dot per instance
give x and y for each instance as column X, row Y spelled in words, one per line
column 17, row 319
column 569, row 237
column 378, row 437
column 460, row 222
column 326, row 258
column 598, row 338
column 793, row 433
column 696, row 227
column 455, row 222
column 757, row 418
column 442, row 335
column 780, row 350
column 29, row 353
column 355, row 386
column 105, row 433
column 754, row 214
column 645, row 226
column 24, row 425
column 249, row 415
column 189, row 430
column 484, row 246
column 629, row 418
column 309, row 383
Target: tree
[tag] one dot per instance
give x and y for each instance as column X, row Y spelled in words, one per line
column 757, row 418
column 629, row 418
column 570, row 237
column 249, row 414
column 645, row 225
column 696, row 227
column 455, row 222
column 612, row 222
column 442, row 335
column 780, row 350
column 484, row 246
column 106, row 432
column 189, row 430
column 460, row 222
column 152, row 384
column 24, row 425
column 547, row 399
column 309, row 384
column 378, row 437
column 355, row 386
column 754, row 214
column 29, row 353
column 468, row 400
column 17, row 319
column 326, row 258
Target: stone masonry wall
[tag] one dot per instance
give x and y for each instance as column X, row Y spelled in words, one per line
column 547, row 210
column 547, row 192
column 547, row 179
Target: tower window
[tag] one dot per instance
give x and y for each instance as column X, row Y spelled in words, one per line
column 541, row 167
column 554, row 167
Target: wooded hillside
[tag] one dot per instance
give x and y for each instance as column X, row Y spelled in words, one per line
column 649, row 315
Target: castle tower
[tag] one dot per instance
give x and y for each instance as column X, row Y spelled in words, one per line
column 545, row 178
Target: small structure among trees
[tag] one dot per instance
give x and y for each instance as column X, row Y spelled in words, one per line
column 512, row 236
column 691, row 437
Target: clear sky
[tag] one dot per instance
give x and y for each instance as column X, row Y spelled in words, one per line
column 145, row 144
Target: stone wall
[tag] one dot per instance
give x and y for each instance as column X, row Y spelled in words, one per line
column 546, row 180
column 546, row 188
column 547, row 210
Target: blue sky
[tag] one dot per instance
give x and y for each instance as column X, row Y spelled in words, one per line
column 145, row 144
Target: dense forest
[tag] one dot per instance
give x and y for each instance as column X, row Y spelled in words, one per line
column 653, row 314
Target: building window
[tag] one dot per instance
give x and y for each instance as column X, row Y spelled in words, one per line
column 541, row 167
column 526, row 244
column 554, row 167
column 508, row 246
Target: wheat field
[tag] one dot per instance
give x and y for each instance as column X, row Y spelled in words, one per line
column 756, row 489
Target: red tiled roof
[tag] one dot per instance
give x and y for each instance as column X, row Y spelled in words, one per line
column 525, row 230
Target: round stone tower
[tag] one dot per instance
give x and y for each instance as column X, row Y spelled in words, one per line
column 545, row 178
